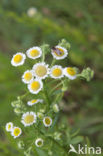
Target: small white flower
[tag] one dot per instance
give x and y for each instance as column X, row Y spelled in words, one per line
column 59, row 52
column 34, row 52
column 18, row 59
column 9, row 126
column 31, row 12
column 56, row 72
column 41, row 70
column 70, row 73
column 34, row 101
column 47, row 121
column 16, row 132
column 39, row 142
column 27, row 76
column 28, row 118
column 35, row 86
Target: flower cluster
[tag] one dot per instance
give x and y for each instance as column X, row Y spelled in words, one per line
column 39, row 109
column 15, row 131
column 34, row 77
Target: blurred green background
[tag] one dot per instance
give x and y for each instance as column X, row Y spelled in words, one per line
column 81, row 23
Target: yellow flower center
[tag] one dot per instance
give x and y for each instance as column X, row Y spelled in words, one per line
column 34, row 52
column 59, row 52
column 39, row 143
column 9, row 127
column 28, row 76
column 29, row 119
column 57, row 72
column 35, row 85
column 16, row 131
column 71, row 71
column 41, row 71
column 18, row 58
column 33, row 101
column 47, row 121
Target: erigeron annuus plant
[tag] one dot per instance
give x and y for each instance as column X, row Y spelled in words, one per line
column 38, row 109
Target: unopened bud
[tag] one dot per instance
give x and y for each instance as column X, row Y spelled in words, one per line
column 17, row 111
column 21, row 145
column 40, row 115
column 87, row 74
column 55, row 108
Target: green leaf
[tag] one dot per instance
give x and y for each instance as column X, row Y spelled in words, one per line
column 76, row 140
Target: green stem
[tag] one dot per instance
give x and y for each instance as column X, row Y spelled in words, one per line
column 58, row 97
column 43, row 57
column 53, row 62
column 46, row 97
column 23, row 96
column 59, row 84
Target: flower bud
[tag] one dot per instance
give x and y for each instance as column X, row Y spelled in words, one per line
column 40, row 115
column 17, row 111
column 65, row 44
column 21, row 145
column 87, row 74
column 42, row 110
column 57, row 136
column 55, row 108
column 31, row 12
column 17, row 103
column 50, row 153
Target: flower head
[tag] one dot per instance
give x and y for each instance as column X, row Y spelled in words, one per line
column 27, row 76
column 41, row 70
column 56, row 72
column 9, row 126
column 16, row 132
column 39, row 142
column 31, row 11
column 47, row 121
column 34, row 52
column 35, row 86
column 70, row 73
column 18, row 59
column 59, row 52
column 34, row 101
column 28, row 118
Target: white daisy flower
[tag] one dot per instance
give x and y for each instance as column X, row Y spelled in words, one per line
column 31, row 11
column 41, row 70
column 47, row 121
column 9, row 126
column 16, row 132
column 39, row 142
column 56, row 72
column 28, row 118
column 59, row 52
column 34, row 52
column 27, row 76
column 70, row 73
column 34, row 101
column 18, row 59
column 35, row 86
